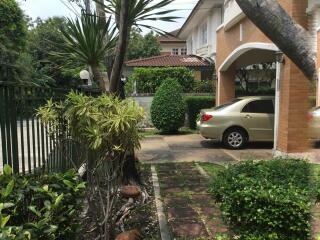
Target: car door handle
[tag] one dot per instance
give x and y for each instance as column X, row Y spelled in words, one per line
column 248, row 116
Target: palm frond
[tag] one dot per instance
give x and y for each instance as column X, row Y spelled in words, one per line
column 87, row 40
column 142, row 10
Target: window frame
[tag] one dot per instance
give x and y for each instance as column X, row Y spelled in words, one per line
column 175, row 51
column 204, row 34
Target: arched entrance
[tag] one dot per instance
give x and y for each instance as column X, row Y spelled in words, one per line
column 245, row 55
column 292, row 105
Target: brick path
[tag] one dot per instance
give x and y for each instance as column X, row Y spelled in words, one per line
column 192, row 213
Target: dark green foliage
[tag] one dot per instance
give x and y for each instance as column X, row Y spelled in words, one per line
column 142, row 46
column 40, row 207
column 168, row 108
column 43, row 40
column 267, row 199
column 194, row 106
column 12, row 25
column 255, row 91
column 12, row 39
column 204, row 86
column 149, row 79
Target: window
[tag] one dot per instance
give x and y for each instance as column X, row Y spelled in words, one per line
column 175, row 51
column 183, row 51
column 204, row 34
column 223, row 106
column 259, row 106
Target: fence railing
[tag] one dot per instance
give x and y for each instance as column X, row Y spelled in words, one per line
column 25, row 142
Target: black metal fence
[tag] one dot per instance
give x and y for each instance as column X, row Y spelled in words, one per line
column 25, row 142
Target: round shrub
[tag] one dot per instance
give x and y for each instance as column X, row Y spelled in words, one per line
column 268, row 200
column 168, row 108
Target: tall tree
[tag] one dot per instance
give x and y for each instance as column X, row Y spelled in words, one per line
column 142, row 46
column 278, row 26
column 121, row 46
column 137, row 12
column 12, row 38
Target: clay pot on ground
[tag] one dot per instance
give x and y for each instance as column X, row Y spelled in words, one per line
column 130, row 191
column 130, row 235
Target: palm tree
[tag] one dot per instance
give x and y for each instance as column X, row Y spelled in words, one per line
column 87, row 41
column 128, row 14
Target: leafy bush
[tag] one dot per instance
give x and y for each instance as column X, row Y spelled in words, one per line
column 266, row 200
column 194, row 106
column 105, row 129
column 168, row 108
column 40, row 207
column 204, row 86
column 148, row 80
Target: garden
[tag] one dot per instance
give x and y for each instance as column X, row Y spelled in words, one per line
column 69, row 154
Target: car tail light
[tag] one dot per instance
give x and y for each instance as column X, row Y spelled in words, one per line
column 309, row 116
column 206, row 117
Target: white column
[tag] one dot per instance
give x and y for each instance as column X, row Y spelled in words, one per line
column 277, row 105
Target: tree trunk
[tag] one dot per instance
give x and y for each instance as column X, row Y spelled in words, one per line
column 121, row 47
column 100, row 12
column 97, row 77
column 87, row 6
column 279, row 27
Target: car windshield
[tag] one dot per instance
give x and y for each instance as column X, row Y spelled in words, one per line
column 223, row 106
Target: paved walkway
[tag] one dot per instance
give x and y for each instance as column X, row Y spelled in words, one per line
column 192, row 213
column 189, row 148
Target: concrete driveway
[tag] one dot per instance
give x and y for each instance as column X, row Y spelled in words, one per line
column 189, row 148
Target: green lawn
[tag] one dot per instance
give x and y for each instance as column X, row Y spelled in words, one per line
column 211, row 168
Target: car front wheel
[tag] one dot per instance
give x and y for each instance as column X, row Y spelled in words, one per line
column 234, row 138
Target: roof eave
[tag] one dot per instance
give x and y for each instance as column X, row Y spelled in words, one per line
column 194, row 10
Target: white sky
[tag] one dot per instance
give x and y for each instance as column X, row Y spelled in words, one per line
column 50, row 8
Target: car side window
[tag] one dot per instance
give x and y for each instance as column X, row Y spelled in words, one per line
column 259, row 106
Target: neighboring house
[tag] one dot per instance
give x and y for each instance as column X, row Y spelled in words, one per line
column 200, row 28
column 202, row 68
column 220, row 30
column 172, row 45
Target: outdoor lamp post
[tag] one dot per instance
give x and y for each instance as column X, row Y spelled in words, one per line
column 279, row 57
column 85, row 77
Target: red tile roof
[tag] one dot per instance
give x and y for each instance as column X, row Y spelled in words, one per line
column 171, row 37
column 170, row 61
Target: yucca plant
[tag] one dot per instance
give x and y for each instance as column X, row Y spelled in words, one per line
column 140, row 11
column 88, row 41
column 128, row 14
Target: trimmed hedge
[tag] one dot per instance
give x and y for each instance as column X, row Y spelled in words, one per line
column 148, row 80
column 194, row 106
column 168, row 108
column 266, row 200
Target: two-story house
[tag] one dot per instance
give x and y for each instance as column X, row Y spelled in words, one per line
column 172, row 45
column 200, row 28
column 220, row 30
